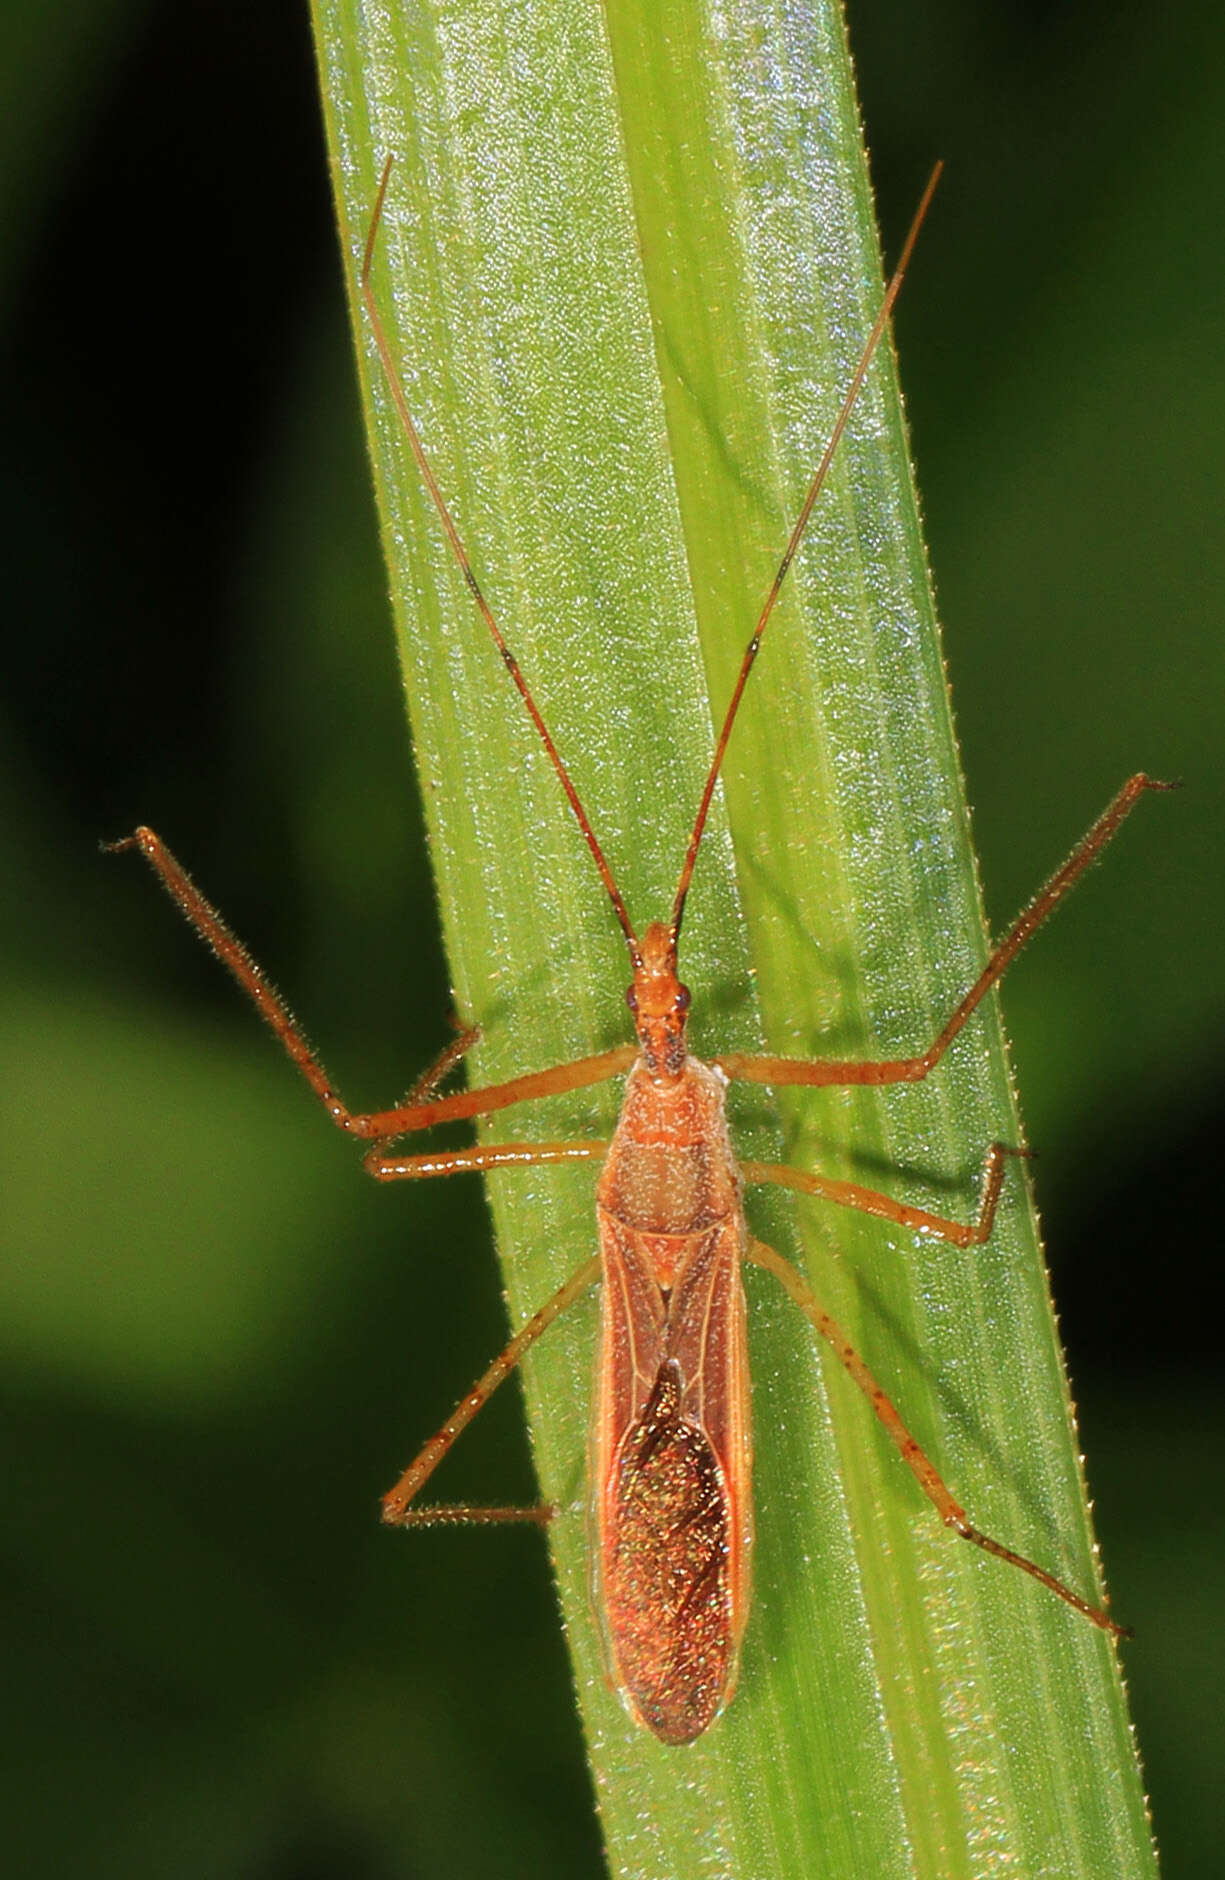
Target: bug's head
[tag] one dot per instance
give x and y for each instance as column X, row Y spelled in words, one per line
column 658, row 1001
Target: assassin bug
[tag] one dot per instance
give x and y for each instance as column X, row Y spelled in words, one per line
column 671, row 1453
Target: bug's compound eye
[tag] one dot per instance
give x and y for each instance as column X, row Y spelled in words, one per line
column 681, row 1002
column 631, row 999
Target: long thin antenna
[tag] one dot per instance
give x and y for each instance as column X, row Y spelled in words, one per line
column 814, row 490
column 465, row 566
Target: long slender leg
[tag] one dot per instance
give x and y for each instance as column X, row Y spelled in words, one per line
column 391, row 1168
column 771, row 1070
column 396, row 1509
column 422, row 1111
column 868, row 1201
column 923, row 1470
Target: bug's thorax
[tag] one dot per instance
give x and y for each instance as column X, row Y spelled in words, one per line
column 670, row 1174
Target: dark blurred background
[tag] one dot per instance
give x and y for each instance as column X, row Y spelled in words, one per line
column 217, row 1342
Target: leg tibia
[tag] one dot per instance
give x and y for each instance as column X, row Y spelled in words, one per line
column 919, row 1464
column 422, row 1109
column 396, row 1508
column 868, row 1201
column 391, row 1168
column 814, row 1072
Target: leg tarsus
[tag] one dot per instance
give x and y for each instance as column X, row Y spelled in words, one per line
column 1093, row 1613
column 464, row 1514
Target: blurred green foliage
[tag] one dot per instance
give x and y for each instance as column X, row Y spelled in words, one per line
column 210, row 1328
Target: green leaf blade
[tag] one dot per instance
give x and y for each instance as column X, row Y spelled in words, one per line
column 628, row 276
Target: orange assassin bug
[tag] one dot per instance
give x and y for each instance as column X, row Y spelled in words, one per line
column 672, row 1451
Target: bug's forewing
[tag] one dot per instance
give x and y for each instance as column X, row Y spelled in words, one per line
column 671, row 1464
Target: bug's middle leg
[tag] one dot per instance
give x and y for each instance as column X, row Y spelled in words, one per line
column 476, row 1159
column 869, row 1201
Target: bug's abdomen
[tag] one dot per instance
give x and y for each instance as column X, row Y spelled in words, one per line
column 667, row 1581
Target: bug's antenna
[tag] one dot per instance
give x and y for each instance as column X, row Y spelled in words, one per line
column 814, row 490
column 465, row 567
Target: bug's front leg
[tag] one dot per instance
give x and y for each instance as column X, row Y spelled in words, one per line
column 917, row 1461
column 421, row 1109
column 826, row 1072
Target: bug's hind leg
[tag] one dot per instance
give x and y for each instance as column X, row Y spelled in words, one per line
column 920, row 1465
column 396, row 1509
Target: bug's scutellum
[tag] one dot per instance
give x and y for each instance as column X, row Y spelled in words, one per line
column 671, row 1450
